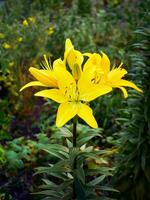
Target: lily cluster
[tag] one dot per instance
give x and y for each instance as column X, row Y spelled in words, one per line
column 76, row 80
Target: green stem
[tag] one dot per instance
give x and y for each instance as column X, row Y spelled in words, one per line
column 74, row 131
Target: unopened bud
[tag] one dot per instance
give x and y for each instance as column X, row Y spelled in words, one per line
column 76, row 71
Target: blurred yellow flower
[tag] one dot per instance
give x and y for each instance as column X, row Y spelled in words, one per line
column 5, row 45
column 20, row 39
column 50, row 31
column 11, row 64
column 2, row 35
column 25, row 22
column 32, row 19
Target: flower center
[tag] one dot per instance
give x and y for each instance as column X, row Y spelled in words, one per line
column 97, row 77
column 72, row 93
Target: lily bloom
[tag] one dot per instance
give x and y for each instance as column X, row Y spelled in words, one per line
column 98, row 69
column 46, row 76
column 73, row 97
column 74, row 59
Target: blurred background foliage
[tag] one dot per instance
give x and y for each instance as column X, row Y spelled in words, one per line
column 31, row 28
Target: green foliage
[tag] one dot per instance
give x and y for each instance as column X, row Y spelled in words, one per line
column 5, row 119
column 20, row 153
column 133, row 178
column 4, row 196
column 90, row 174
column 2, row 155
column 24, row 34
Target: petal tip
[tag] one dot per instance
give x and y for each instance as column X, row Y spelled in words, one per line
column 58, row 125
column 21, row 89
column 95, row 125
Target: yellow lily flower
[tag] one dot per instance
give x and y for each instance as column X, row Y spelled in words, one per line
column 74, row 91
column 73, row 58
column 73, row 97
column 98, row 70
column 45, row 77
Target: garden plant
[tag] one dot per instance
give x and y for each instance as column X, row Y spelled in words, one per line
column 73, row 82
column 79, row 136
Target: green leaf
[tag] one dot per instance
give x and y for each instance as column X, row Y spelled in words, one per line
column 67, row 196
column 101, row 170
column 62, row 133
column 88, row 155
column 80, row 174
column 56, row 153
column 106, row 188
column 14, row 160
column 66, row 132
column 79, row 189
column 48, row 184
column 62, row 176
column 84, row 138
column 60, row 167
column 48, row 198
column 96, row 181
column 69, row 143
column 65, row 185
column 57, row 150
column 51, row 193
column 73, row 153
column 143, row 157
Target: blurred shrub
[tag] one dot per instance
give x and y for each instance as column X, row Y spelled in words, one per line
column 17, row 161
column 22, row 43
column 133, row 171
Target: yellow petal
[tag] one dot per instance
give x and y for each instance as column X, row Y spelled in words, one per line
column 76, row 72
column 93, row 91
column 32, row 83
column 125, row 93
column 86, row 113
column 87, row 76
column 46, row 77
column 58, row 63
column 68, row 45
column 89, row 91
column 116, row 74
column 93, row 61
column 64, row 79
column 87, row 54
column 66, row 111
column 68, row 48
column 105, row 62
column 53, row 94
column 74, row 57
column 128, row 84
